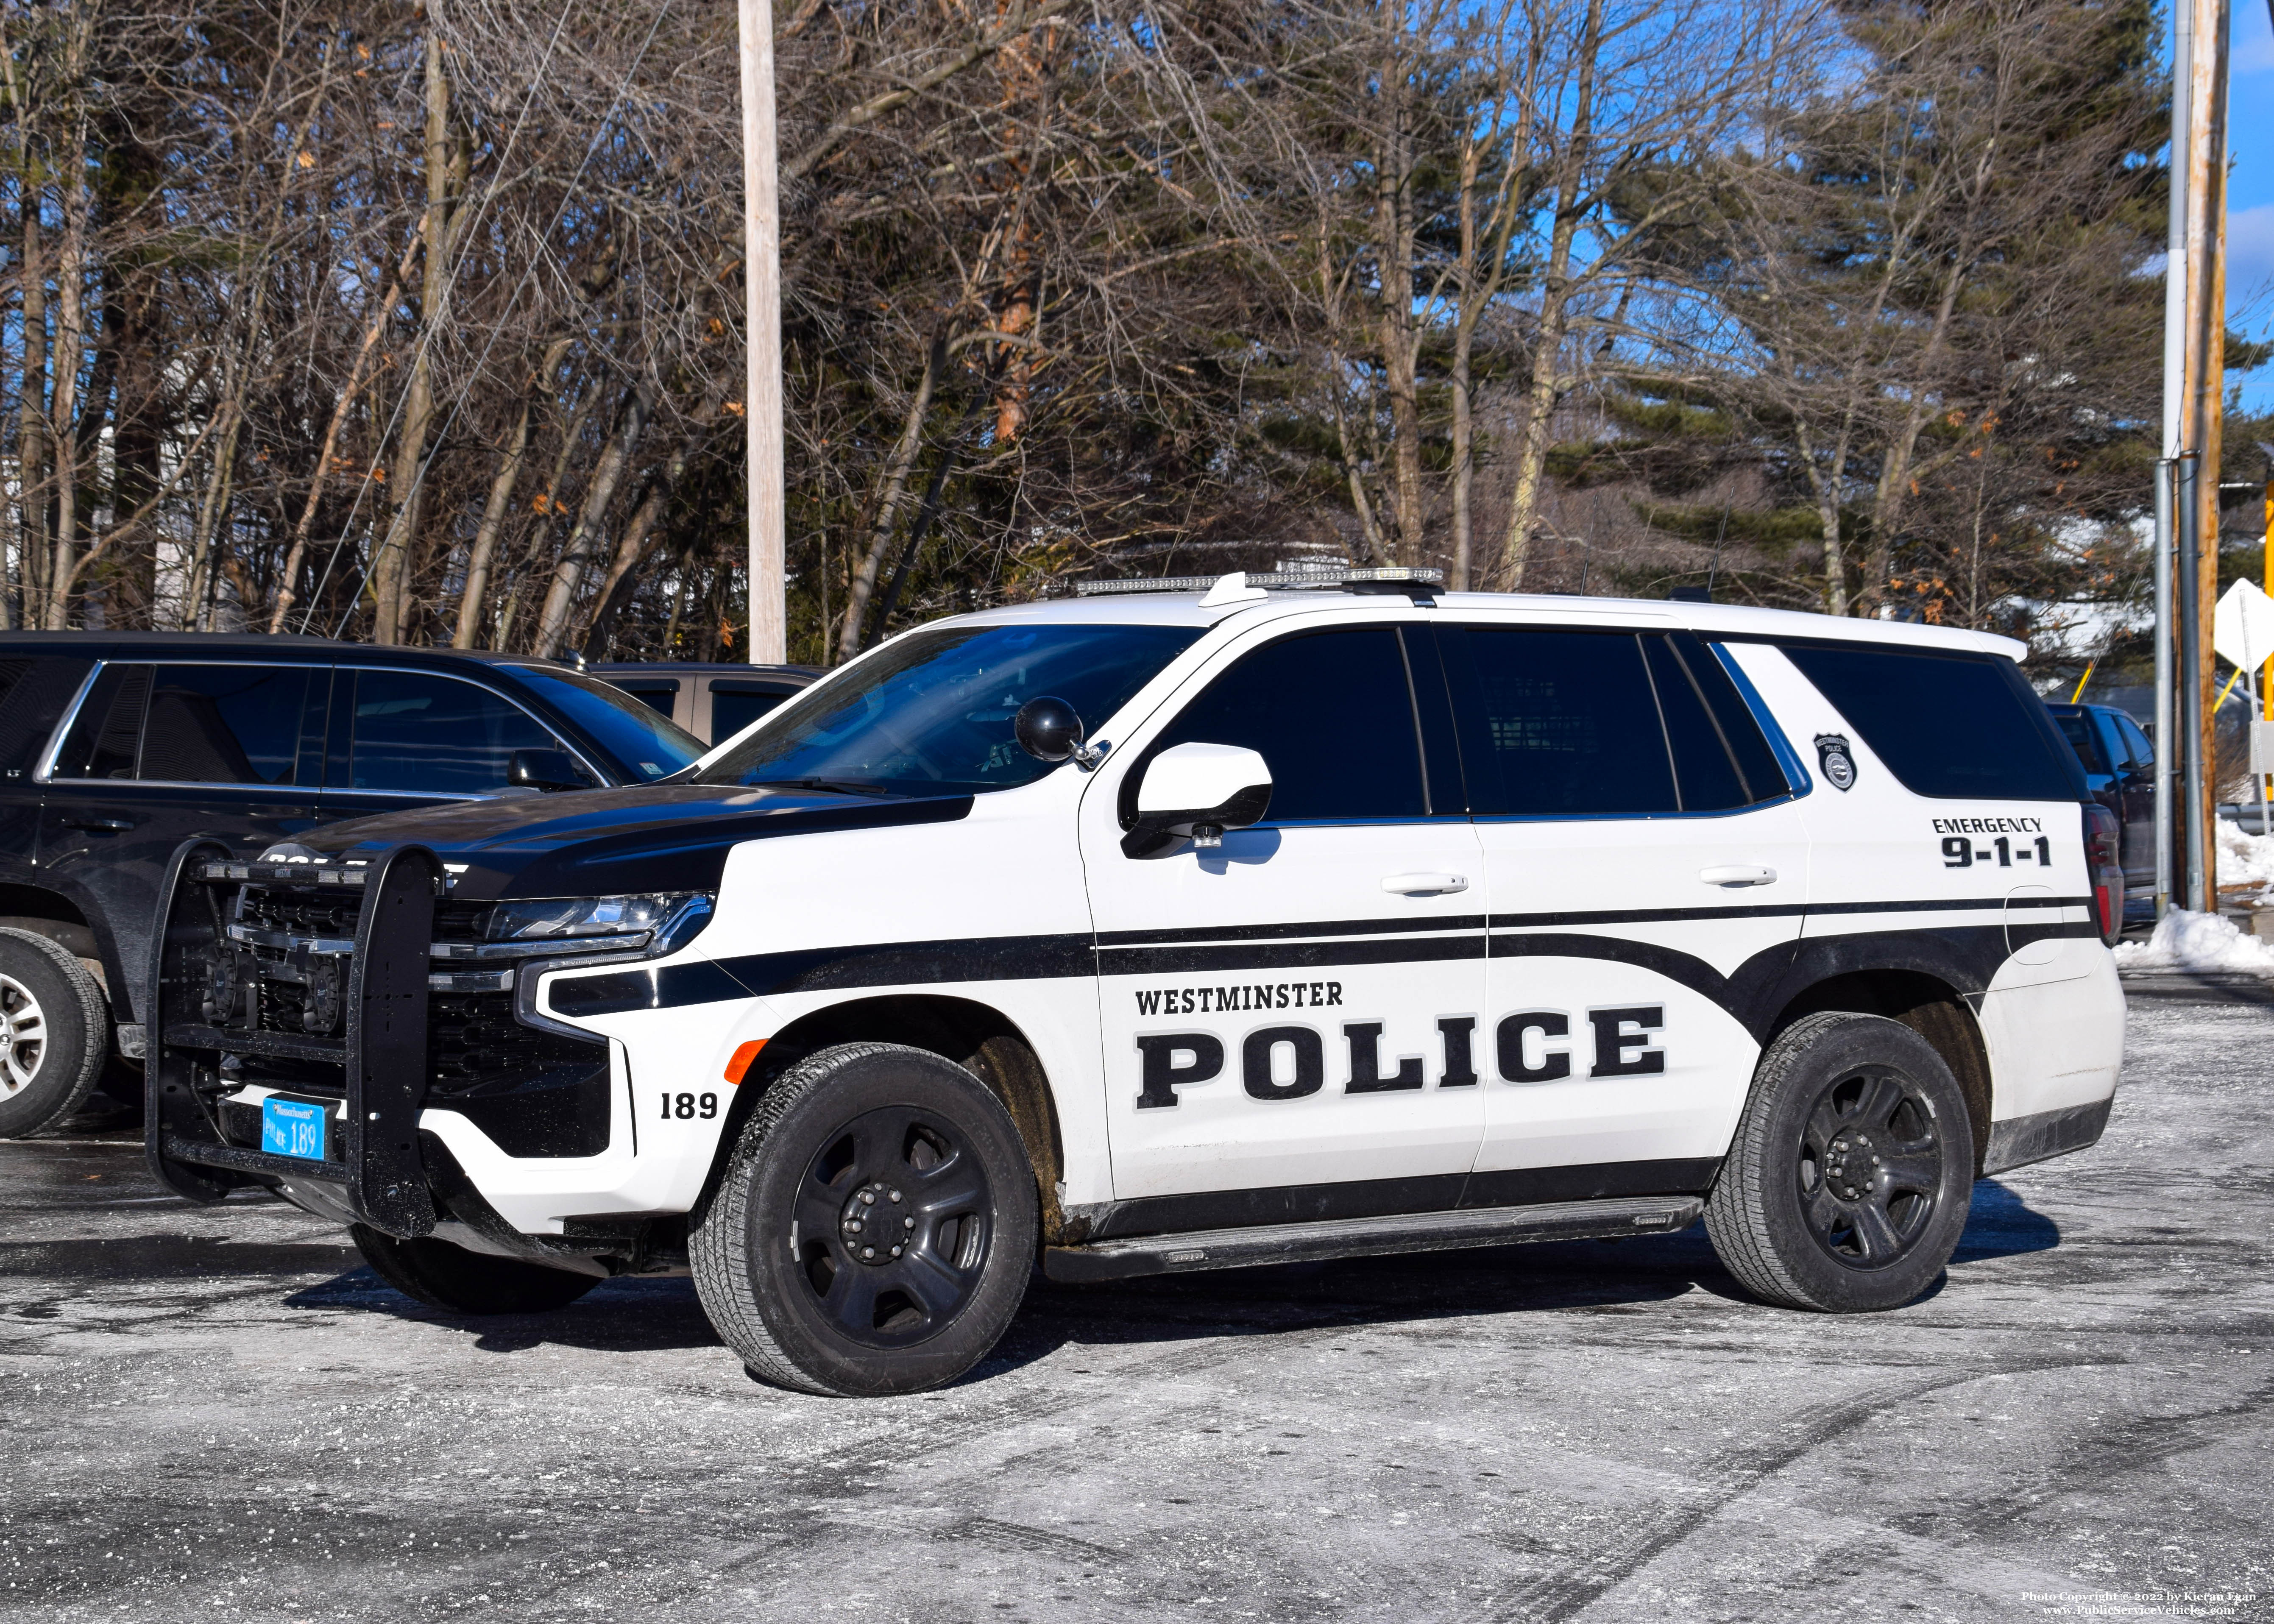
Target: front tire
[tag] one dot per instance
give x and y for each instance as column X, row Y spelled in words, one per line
column 443, row 1275
column 1847, row 1185
column 54, row 1033
column 873, row 1230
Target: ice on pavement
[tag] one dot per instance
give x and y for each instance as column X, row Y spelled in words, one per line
column 2185, row 940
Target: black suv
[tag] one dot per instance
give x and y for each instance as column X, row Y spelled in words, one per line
column 2120, row 771
column 115, row 748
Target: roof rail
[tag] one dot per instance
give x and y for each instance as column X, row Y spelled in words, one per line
column 1286, row 577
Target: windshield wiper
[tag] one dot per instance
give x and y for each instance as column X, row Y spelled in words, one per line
column 833, row 786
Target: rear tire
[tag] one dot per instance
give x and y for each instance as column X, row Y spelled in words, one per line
column 54, row 1033
column 1847, row 1185
column 443, row 1275
column 874, row 1229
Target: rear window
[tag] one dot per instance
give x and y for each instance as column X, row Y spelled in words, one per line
column 2076, row 727
column 1947, row 725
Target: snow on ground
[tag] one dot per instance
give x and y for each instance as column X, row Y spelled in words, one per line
column 2245, row 859
column 2185, row 940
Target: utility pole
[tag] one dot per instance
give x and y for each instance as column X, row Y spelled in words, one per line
column 762, row 394
column 2187, row 575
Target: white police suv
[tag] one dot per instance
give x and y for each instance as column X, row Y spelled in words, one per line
column 1306, row 916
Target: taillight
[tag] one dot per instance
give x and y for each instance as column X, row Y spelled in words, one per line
column 2103, row 861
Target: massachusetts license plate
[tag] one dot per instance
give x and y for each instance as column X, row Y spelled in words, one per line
column 292, row 1128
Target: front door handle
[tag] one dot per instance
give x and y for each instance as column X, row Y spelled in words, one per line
column 100, row 825
column 1423, row 885
column 1736, row 875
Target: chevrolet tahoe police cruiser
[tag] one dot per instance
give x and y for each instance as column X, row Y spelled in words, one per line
column 1308, row 915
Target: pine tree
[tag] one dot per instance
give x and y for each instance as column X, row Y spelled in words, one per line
column 1941, row 346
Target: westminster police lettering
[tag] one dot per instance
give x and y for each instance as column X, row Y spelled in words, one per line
column 1208, row 1000
column 1288, row 1062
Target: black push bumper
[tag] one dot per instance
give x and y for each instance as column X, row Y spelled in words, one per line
column 362, row 1041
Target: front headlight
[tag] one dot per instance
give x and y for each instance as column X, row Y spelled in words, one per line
column 551, row 919
column 661, row 922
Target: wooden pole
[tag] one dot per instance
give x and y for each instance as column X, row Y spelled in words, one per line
column 2202, row 402
column 769, row 639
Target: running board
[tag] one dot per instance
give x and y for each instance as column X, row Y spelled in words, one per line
column 1363, row 1237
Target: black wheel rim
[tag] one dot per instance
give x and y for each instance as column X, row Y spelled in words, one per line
column 891, row 1228
column 1871, row 1169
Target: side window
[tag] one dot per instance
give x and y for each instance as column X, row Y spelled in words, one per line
column 1721, row 760
column 108, row 734
column 436, row 736
column 1332, row 713
column 736, row 705
column 1755, row 758
column 1706, row 776
column 1560, row 724
column 2143, row 753
column 1948, row 724
column 659, row 696
column 224, row 723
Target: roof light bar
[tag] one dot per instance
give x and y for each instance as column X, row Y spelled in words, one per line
column 1286, row 577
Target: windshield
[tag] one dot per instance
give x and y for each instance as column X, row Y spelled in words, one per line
column 931, row 714
column 649, row 745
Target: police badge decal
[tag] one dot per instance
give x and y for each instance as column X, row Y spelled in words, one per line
column 1838, row 764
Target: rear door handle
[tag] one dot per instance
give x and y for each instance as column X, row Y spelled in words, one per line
column 99, row 824
column 1422, row 884
column 1736, row 874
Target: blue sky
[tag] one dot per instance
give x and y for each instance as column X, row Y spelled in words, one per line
column 2250, row 189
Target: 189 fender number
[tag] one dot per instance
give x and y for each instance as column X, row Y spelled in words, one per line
column 688, row 1107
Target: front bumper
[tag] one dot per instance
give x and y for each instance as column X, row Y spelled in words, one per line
column 317, row 982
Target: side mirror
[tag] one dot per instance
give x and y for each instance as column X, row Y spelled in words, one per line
column 547, row 770
column 1048, row 729
column 1197, row 791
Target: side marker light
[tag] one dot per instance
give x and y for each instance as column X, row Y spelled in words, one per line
column 738, row 1067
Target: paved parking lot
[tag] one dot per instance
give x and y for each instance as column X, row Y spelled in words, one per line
column 216, row 1414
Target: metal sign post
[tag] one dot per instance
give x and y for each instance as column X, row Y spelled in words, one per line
column 2167, row 755
column 2192, row 717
